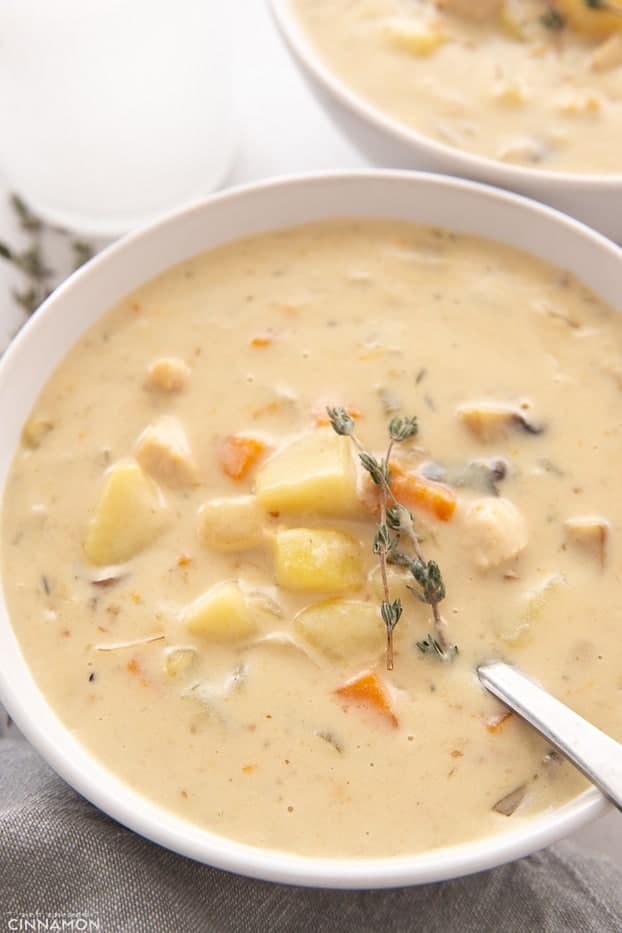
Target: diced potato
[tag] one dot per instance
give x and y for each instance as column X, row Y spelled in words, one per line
column 163, row 451
column 35, row 431
column 129, row 516
column 414, row 36
column 234, row 523
column 539, row 596
column 590, row 533
column 510, row 25
column 221, row 614
column 608, row 55
column 179, row 660
column 318, row 560
column 167, row 374
column 495, row 531
column 589, row 18
column 398, row 579
column 510, row 94
column 478, row 10
column 315, row 473
column 534, row 603
column 342, row 629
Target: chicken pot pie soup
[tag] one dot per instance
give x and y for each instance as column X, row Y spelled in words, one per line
column 197, row 585
column 527, row 82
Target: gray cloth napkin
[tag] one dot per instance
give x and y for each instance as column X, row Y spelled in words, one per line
column 65, row 866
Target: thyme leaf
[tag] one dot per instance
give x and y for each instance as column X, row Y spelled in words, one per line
column 431, row 645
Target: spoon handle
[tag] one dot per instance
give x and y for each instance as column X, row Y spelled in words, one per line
column 596, row 754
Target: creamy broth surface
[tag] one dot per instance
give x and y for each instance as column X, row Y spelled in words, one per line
column 511, row 83
column 236, row 725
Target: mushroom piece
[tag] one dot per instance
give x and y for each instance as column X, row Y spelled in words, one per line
column 489, row 421
column 590, row 533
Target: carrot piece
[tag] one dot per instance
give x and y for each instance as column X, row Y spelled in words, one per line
column 320, row 416
column 261, row 340
column 239, row 454
column 414, row 491
column 367, row 689
column 496, row 723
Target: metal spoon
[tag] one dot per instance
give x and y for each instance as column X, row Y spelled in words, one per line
column 597, row 755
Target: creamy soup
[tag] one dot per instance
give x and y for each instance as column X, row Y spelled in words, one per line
column 525, row 81
column 187, row 542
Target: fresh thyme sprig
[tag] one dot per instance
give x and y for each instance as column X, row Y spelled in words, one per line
column 396, row 521
column 39, row 278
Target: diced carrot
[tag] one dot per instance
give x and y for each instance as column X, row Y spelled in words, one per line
column 367, row 689
column 132, row 666
column 320, row 416
column 261, row 340
column 239, row 454
column 415, row 491
column 496, row 723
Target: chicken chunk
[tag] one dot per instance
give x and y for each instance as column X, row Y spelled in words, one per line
column 167, row 374
column 496, row 531
column 163, row 451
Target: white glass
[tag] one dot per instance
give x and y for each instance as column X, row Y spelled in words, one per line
column 114, row 111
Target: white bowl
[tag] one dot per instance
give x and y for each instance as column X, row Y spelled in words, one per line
column 592, row 197
column 41, row 345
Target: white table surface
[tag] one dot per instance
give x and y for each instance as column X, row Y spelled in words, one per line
column 282, row 131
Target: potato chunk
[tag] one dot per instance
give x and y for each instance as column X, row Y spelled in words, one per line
column 496, row 531
column 129, row 516
column 590, row 18
column 221, row 614
column 233, row 523
column 317, row 559
column 590, row 533
column 167, row 374
column 414, row 37
column 163, row 451
column 478, row 10
column 608, row 55
column 179, row 661
column 343, row 629
column 315, row 473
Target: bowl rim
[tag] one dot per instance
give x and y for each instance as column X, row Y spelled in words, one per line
column 465, row 163
column 84, row 772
